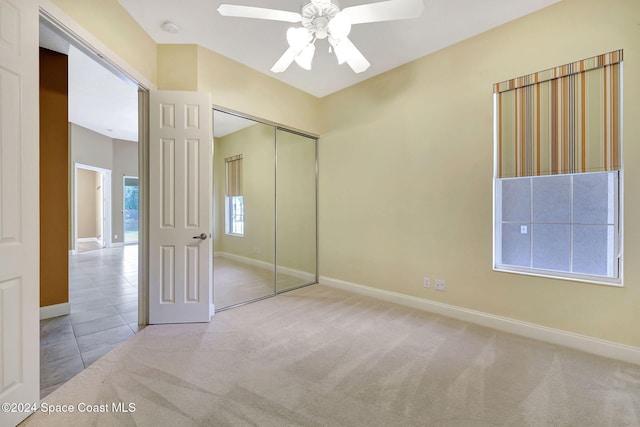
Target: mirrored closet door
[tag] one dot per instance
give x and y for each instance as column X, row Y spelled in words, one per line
column 264, row 210
column 296, row 210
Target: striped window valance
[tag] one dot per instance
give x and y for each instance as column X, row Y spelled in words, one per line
column 234, row 175
column 562, row 120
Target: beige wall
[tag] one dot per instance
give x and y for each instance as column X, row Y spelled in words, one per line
column 237, row 87
column 178, row 67
column 406, row 173
column 125, row 163
column 87, row 203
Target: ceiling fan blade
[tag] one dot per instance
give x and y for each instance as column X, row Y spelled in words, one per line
column 258, row 13
column 389, row 10
column 285, row 60
column 353, row 56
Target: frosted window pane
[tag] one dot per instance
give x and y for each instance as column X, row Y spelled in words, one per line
column 591, row 201
column 551, row 246
column 592, row 246
column 570, row 223
column 516, row 247
column 552, row 199
column 516, row 200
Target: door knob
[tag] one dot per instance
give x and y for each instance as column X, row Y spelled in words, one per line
column 202, row 236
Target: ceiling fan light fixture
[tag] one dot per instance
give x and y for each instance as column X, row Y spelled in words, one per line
column 298, row 38
column 305, row 57
column 341, row 55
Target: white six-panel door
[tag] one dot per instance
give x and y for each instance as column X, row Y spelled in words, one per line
column 180, row 194
column 19, row 210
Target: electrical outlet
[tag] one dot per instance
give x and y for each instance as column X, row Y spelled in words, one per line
column 440, row 285
column 427, row 282
column 115, row 236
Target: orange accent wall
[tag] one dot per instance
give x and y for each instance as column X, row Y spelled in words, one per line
column 54, row 175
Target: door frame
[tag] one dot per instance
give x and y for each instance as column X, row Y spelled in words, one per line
column 107, row 241
column 63, row 24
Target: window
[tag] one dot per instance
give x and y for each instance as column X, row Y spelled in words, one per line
column 234, row 200
column 559, row 223
column 558, row 176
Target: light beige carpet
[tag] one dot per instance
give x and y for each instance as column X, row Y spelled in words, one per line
column 321, row 357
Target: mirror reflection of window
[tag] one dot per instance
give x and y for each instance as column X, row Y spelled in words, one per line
column 234, row 199
column 235, row 215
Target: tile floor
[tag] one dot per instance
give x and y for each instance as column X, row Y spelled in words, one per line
column 103, row 293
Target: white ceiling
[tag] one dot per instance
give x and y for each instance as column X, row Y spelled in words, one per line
column 259, row 43
column 98, row 99
column 103, row 102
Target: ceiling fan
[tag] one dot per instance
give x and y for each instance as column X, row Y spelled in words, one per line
column 323, row 19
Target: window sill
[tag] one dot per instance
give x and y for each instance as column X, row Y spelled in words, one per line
column 594, row 280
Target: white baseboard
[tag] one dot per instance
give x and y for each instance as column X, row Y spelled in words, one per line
column 245, row 260
column 303, row 275
column 88, row 239
column 49, row 311
column 116, row 244
column 73, row 252
column 584, row 343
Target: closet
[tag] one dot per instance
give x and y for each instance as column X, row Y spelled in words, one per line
column 264, row 209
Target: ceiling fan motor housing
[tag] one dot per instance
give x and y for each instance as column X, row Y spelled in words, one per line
column 316, row 16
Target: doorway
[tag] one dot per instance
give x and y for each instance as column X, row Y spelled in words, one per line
column 92, row 205
column 103, row 284
column 130, row 203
